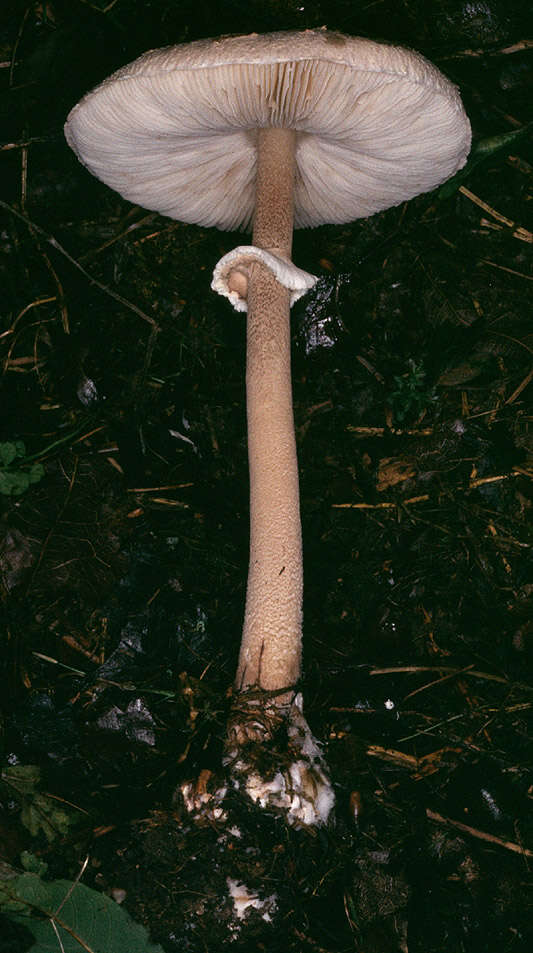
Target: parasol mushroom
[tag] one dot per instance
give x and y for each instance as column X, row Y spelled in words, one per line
column 296, row 128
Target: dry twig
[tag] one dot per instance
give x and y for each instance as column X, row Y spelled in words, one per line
column 481, row 835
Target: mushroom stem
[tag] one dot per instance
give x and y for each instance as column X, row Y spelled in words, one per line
column 270, row 655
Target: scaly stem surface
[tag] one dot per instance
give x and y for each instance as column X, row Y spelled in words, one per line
column 270, row 656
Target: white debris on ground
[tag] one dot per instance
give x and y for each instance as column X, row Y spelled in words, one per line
column 245, row 900
column 198, row 800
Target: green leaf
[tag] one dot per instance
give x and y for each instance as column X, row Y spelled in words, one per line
column 24, row 778
column 39, row 812
column 10, row 450
column 15, row 480
column 68, row 916
column 32, row 863
column 42, row 813
column 20, row 893
column 36, row 473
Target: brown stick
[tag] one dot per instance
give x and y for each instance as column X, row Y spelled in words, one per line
column 481, row 835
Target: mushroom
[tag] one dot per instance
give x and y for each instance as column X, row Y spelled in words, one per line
column 296, row 128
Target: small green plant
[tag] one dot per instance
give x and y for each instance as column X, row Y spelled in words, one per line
column 17, row 473
column 39, row 812
column 411, row 394
column 64, row 916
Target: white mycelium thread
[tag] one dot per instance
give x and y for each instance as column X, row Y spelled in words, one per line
column 239, row 261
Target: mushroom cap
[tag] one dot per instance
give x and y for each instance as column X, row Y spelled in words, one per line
column 176, row 130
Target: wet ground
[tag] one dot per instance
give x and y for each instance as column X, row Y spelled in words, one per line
column 124, row 527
